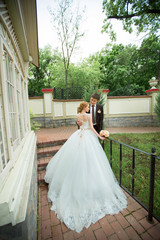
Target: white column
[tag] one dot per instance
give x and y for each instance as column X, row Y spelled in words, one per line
column 153, row 93
column 48, row 97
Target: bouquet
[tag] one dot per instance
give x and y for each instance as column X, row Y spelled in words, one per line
column 104, row 133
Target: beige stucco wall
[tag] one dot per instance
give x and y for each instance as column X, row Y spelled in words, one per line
column 119, row 106
column 58, row 109
column 36, row 106
column 65, row 109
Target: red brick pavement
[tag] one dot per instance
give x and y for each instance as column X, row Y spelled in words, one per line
column 125, row 225
column 48, row 134
column 131, row 223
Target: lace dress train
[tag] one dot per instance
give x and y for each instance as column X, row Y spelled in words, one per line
column 82, row 186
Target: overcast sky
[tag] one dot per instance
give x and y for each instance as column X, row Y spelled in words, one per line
column 93, row 40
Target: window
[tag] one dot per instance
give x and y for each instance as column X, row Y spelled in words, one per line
column 3, row 154
column 19, row 103
column 11, row 99
column 4, row 158
column 23, row 105
column 14, row 115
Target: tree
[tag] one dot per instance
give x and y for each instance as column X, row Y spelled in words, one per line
column 67, row 24
column 46, row 74
column 127, row 69
column 118, row 67
column 143, row 14
column 149, row 59
column 91, row 68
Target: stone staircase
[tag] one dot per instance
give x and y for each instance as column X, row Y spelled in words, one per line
column 45, row 151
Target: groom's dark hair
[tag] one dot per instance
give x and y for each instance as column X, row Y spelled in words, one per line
column 96, row 96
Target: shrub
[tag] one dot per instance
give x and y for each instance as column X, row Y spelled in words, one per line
column 88, row 92
column 34, row 125
column 157, row 107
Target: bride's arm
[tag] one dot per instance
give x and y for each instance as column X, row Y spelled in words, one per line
column 79, row 120
column 92, row 128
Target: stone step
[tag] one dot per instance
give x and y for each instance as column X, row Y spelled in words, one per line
column 49, row 143
column 43, row 162
column 41, row 175
column 47, row 151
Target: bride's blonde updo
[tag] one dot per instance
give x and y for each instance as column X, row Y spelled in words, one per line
column 82, row 106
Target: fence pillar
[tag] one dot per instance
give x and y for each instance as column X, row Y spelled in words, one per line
column 153, row 93
column 47, row 101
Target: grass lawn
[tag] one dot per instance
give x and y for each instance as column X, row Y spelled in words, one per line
column 145, row 142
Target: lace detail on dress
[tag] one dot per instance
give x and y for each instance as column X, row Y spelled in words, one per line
column 85, row 125
column 91, row 215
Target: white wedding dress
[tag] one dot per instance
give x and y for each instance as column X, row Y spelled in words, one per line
column 82, row 186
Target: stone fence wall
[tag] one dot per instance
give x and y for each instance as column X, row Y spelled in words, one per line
column 118, row 111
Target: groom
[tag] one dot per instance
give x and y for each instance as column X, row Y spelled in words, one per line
column 96, row 110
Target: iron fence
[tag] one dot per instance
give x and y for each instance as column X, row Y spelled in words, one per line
column 77, row 92
column 132, row 163
column 68, row 93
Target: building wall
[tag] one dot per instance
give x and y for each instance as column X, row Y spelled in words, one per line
column 18, row 165
column 27, row 229
column 131, row 121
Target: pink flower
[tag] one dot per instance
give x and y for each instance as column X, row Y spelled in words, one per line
column 104, row 133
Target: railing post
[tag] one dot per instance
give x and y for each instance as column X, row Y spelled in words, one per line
column 62, row 93
column 120, row 171
column 151, row 187
column 133, row 167
column 54, row 90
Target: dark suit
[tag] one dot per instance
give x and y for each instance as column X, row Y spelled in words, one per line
column 99, row 118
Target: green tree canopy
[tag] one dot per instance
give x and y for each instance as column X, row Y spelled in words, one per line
column 127, row 69
column 143, row 14
column 148, row 57
column 51, row 72
column 45, row 75
column 124, row 70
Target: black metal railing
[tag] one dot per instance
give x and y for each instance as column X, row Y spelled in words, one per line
column 151, row 183
column 68, row 93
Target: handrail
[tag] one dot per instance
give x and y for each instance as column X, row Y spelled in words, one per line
column 137, row 149
column 152, row 175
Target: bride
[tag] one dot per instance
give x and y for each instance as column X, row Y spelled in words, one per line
column 82, row 186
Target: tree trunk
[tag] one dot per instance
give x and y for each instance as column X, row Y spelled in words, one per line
column 66, row 79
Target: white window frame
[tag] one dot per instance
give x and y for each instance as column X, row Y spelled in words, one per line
column 13, row 153
column 11, row 90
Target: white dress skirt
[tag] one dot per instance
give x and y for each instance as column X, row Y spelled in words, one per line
column 82, row 186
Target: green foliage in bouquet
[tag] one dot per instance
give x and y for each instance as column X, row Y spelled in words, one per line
column 157, row 107
column 34, row 125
